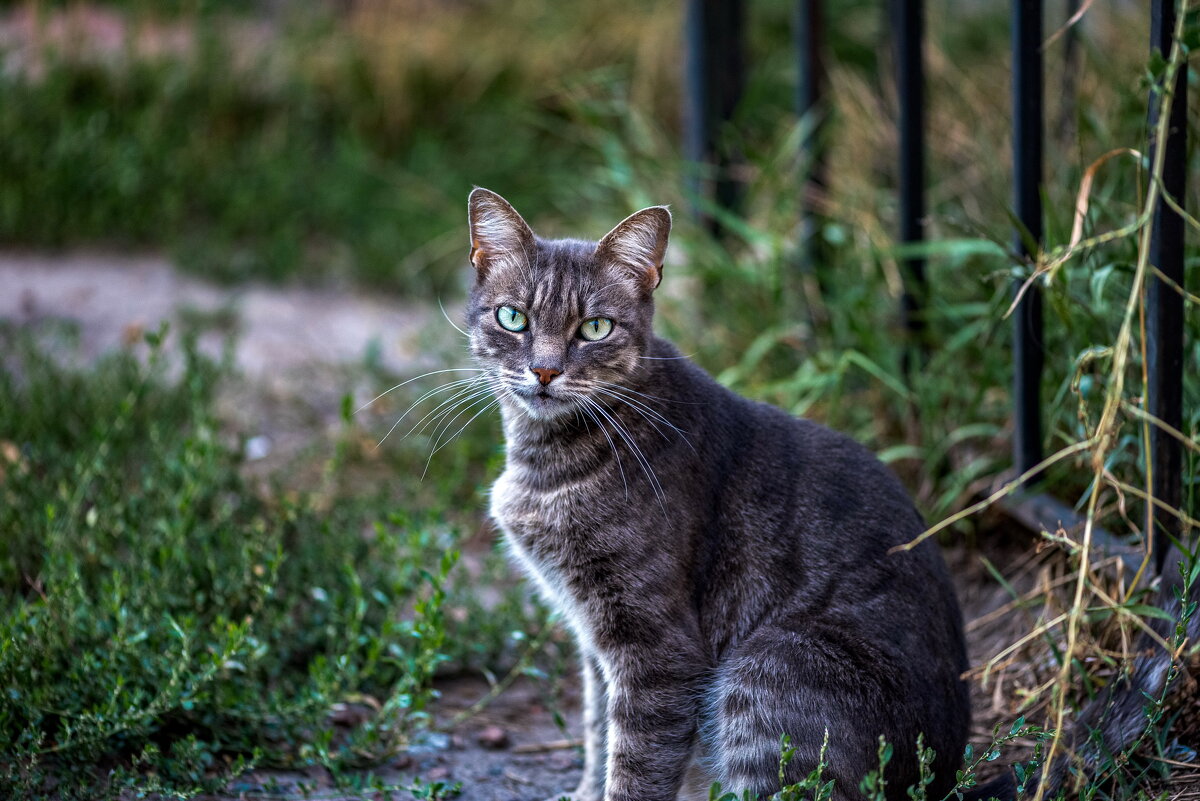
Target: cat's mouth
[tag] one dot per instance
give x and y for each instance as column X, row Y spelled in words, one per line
column 540, row 402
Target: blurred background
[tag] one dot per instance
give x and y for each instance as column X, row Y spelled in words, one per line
column 216, row 560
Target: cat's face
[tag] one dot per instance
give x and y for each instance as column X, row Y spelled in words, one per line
column 558, row 323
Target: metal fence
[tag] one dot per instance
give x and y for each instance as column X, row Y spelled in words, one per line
column 716, row 77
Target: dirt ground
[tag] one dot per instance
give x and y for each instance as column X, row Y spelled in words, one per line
column 512, row 749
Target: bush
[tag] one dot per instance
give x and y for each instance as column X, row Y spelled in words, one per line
column 162, row 624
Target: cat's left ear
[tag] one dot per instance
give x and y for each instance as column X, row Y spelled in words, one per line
column 639, row 244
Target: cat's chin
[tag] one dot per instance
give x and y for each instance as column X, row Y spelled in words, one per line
column 543, row 407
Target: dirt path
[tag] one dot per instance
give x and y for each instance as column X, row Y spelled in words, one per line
column 281, row 329
column 291, row 343
column 510, row 751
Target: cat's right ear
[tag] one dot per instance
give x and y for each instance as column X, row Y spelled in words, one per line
column 499, row 236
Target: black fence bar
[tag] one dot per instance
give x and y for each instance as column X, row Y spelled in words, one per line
column 715, row 76
column 810, row 106
column 1164, row 305
column 907, row 29
column 1028, row 126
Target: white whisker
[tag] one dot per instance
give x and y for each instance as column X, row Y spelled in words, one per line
column 642, row 408
column 635, row 450
column 492, row 402
column 439, row 412
column 452, row 323
column 630, row 403
column 417, row 378
column 643, row 394
column 612, row 445
column 451, row 414
column 460, row 386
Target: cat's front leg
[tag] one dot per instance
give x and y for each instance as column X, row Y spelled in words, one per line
column 653, row 702
column 595, row 730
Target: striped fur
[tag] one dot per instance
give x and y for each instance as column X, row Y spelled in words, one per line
column 724, row 566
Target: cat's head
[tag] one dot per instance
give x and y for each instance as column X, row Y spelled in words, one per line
column 557, row 322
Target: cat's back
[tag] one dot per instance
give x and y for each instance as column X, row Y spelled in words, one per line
column 796, row 509
column 761, row 456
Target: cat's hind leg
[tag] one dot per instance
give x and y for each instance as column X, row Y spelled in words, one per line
column 803, row 685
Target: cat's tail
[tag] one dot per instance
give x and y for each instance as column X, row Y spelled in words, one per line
column 1117, row 719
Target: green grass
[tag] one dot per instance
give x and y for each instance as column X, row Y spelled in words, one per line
column 332, row 153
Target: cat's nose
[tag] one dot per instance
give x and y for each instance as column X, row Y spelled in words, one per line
column 545, row 374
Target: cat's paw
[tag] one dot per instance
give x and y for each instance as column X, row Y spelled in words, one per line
column 580, row 794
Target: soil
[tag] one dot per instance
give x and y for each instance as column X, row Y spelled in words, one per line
column 512, row 750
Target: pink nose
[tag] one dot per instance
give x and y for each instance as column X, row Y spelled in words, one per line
column 545, row 374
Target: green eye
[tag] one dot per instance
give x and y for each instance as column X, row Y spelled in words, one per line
column 596, row 328
column 510, row 319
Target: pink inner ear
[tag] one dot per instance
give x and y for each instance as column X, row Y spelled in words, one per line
column 498, row 234
column 639, row 243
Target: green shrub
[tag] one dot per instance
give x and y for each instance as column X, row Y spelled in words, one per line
column 162, row 622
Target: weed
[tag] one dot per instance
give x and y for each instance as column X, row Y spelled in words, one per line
column 163, row 625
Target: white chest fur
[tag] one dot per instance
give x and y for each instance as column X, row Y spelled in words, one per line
column 528, row 516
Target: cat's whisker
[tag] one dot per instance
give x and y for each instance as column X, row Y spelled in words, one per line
column 635, row 450
column 451, row 415
column 459, row 384
column 491, row 402
column 460, row 392
column 465, row 396
column 452, row 323
column 623, row 393
column 612, row 445
column 633, row 404
column 429, row 394
column 650, row 420
column 651, row 414
column 417, row 378
column 642, row 394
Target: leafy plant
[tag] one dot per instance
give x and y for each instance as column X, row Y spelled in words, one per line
column 163, row 625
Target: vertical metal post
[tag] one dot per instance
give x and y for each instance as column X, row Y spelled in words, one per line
column 1028, row 356
column 907, row 26
column 715, row 77
column 1164, row 305
column 812, row 110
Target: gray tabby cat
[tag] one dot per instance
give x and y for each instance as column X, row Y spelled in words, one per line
column 726, row 568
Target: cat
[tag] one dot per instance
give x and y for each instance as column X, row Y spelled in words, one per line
column 727, row 569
